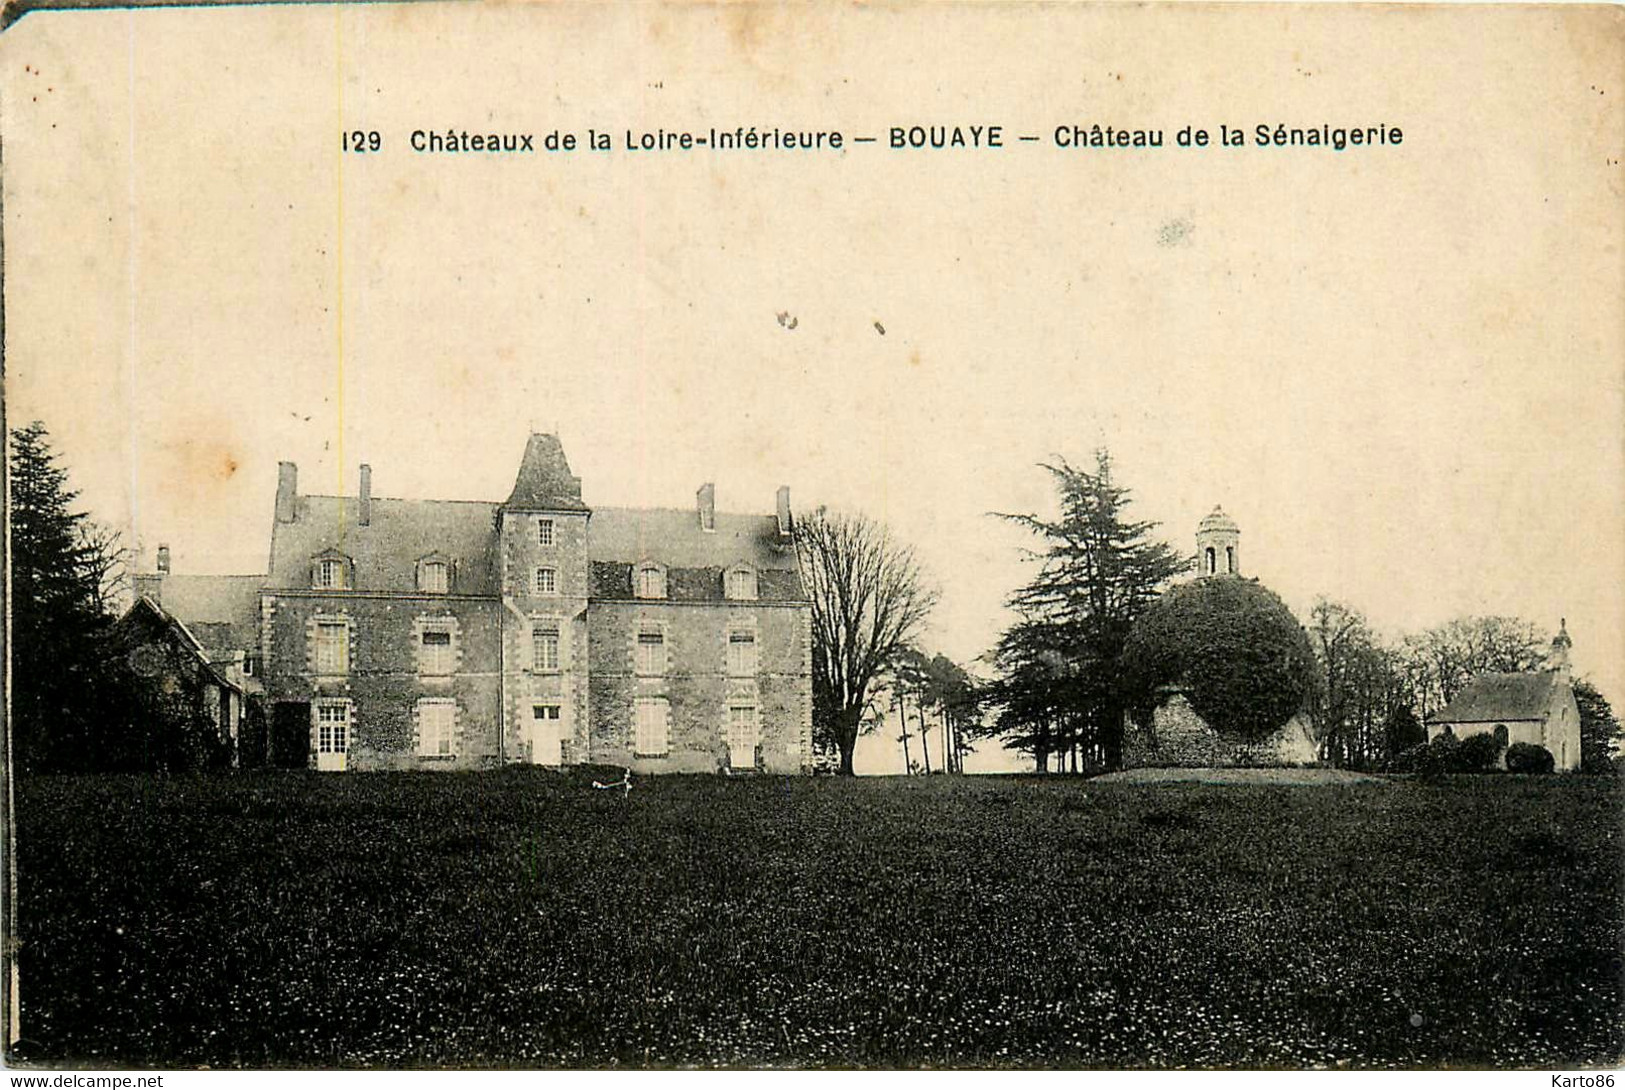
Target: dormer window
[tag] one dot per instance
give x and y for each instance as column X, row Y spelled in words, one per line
column 650, row 581
column 739, row 583
column 330, row 571
column 434, row 577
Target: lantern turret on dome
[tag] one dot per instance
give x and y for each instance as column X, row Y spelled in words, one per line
column 1218, row 545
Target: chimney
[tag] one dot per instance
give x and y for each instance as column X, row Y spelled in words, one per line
column 706, row 498
column 150, row 585
column 783, row 501
column 365, row 515
column 287, row 491
column 163, row 560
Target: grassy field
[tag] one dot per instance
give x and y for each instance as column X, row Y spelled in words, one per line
column 521, row 918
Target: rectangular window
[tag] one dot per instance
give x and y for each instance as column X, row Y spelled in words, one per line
column 544, row 532
column 548, row 712
column 741, row 654
column 437, row 728
column 434, row 578
column 653, row 727
column 547, row 581
column 332, row 728
column 329, row 574
column 544, row 647
column 437, row 652
column 651, row 654
column 332, row 647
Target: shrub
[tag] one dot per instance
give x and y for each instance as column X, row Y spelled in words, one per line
column 1409, row 759
column 1525, row 757
column 1478, row 752
column 1438, row 756
column 1232, row 645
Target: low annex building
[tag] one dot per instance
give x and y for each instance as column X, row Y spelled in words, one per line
column 415, row 634
column 192, row 687
column 1536, row 707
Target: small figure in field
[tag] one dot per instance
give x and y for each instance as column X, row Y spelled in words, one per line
column 624, row 783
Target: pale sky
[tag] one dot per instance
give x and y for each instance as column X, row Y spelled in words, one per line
column 1400, row 369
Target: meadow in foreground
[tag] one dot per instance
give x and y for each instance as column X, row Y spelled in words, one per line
column 521, row 918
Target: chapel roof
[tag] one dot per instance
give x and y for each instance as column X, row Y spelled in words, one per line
column 1500, row 698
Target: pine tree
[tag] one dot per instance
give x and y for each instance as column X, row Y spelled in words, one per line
column 1098, row 571
column 57, row 622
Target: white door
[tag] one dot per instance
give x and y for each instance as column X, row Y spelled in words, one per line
column 332, row 736
column 742, row 738
column 545, row 735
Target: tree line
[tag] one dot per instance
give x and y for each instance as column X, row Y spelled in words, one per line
column 1061, row 673
column 1065, row 673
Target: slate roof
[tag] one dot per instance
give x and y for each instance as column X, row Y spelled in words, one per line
column 386, row 551
column 1501, row 698
column 545, row 481
column 222, row 611
column 673, row 537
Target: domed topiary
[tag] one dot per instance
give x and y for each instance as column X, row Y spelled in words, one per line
column 1232, row 646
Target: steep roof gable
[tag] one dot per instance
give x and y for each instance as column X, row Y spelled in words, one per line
column 545, row 482
column 146, row 619
column 1492, row 698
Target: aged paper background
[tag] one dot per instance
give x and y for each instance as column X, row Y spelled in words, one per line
column 1399, row 367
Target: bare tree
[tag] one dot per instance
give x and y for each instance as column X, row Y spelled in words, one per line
column 106, row 565
column 869, row 597
column 1439, row 662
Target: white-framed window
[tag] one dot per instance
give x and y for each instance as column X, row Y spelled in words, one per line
column 650, row 581
column 544, row 646
column 547, row 581
column 332, row 648
column 332, row 728
column 741, row 653
column 436, row 653
column 739, row 584
column 437, row 728
column 544, row 532
column 651, row 653
column 653, row 727
column 434, row 577
column 328, row 574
